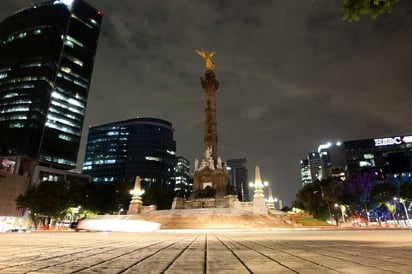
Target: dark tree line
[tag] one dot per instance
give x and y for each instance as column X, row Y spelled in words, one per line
column 360, row 196
column 49, row 199
column 353, row 10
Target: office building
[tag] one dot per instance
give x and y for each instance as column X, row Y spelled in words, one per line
column 120, row 151
column 238, row 174
column 47, row 53
column 183, row 183
column 386, row 159
column 305, row 174
column 333, row 159
column 46, row 61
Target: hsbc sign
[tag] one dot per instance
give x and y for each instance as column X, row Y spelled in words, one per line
column 392, row 141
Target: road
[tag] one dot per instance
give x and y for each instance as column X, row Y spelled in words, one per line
column 213, row 251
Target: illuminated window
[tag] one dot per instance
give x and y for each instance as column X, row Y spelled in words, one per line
column 83, row 22
column 65, row 137
column 151, row 158
column 74, row 41
column 16, row 125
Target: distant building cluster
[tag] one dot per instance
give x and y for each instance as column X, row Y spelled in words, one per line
column 387, row 158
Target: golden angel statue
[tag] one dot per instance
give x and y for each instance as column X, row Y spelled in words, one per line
column 207, row 56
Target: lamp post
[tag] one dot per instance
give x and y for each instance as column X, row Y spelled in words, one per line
column 342, row 209
column 259, row 205
column 135, row 205
column 402, row 202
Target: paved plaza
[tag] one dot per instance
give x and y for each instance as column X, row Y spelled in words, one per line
column 212, row 251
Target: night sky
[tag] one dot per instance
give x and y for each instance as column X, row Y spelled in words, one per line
column 292, row 76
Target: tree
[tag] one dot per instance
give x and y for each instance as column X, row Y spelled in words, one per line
column 383, row 192
column 158, row 195
column 45, row 200
column 406, row 190
column 353, row 10
column 310, row 199
column 362, row 185
column 331, row 192
column 391, row 208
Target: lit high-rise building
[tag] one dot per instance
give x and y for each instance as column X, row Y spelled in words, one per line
column 385, row 159
column 333, row 159
column 46, row 61
column 120, row 151
column 183, row 185
column 305, row 173
column 47, row 55
column 238, row 174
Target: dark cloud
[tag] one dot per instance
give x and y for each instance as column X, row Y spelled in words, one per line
column 292, row 75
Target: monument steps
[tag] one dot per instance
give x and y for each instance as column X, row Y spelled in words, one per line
column 216, row 218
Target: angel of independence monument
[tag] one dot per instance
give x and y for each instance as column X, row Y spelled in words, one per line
column 210, row 178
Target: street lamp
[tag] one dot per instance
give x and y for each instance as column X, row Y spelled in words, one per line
column 402, row 202
column 342, row 209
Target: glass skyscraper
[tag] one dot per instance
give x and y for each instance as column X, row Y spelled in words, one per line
column 122, row 150
column 183, row 184
column 47, row 55
column 238, row 174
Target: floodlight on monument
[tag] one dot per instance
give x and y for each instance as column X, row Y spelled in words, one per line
column 342, row 209
column 137, row 192
column 137, row 189
column 257, row 184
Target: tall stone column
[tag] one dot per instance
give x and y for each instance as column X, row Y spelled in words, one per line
column 210, row 86
column 211, row 173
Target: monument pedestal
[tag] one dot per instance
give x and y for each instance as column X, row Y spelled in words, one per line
column 217, row 180
column 259, row 206
column 135, row 207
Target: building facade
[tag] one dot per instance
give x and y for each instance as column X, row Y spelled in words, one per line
column 385, row 159
column 47, row 55
column 183, row 182
column 120, row 151
column 238, row 174
column 388, row 158
column 311, row 168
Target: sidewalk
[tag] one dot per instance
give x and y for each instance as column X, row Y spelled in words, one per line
column 213, row 251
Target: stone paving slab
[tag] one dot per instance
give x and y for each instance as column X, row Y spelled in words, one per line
column 212, row 251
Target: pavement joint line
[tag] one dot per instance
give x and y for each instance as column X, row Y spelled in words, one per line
column 180, row 253
column 210, row 251
column 205, row 254
column 119, row 256
column 270, row 258
column 104, row 250
column 234, row 254
column 335, row 257
column 148, row 257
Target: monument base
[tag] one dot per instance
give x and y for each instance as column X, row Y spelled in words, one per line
column 217, row 180
column 135, row 208
column 259, row 205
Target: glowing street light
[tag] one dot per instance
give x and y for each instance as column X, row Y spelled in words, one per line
column 135, row 205
column 258, row 185
column 342, row 209
column 402, row 202
column 259, row 204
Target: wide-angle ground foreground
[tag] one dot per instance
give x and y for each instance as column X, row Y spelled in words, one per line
column 212, row 251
